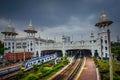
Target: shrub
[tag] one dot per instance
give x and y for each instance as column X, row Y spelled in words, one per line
column 32, row 78
column 20, row 75
column 116, row 77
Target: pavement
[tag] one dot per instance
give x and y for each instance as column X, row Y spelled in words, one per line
column 89, row 70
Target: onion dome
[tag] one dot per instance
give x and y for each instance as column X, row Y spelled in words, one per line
column 9, row 30
column 30, row 29
column 103, row 20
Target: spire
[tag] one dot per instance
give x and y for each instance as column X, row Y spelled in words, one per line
column 9, row 23
column 39, row 35
column 103, row 12
column 103, row 17
column 103, row 20
column 30, row 27
column 30, row 24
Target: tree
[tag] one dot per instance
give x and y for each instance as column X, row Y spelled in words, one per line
column 1, row 48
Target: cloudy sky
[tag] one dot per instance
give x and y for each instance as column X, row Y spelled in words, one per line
column 52, row 18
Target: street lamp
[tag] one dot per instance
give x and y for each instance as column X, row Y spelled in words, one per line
column 110, row 56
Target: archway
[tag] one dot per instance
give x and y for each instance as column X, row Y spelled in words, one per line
column 48, row 52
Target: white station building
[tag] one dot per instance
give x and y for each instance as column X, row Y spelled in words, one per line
column 34, row 44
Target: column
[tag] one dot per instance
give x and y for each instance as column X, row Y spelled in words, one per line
column 63, row 49
column 92, row 48
column 39, row 51
column 11, row 45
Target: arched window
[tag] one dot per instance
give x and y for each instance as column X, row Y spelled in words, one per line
column 31, row 44
column 31, row 49
column 9, row 43
column 105, row 41
column 105, row 48
column 37, row 54
column 13, row 43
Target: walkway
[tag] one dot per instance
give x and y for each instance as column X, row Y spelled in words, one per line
column 89, row 70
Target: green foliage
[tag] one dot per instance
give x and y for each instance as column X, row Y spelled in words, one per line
column 40, row 71
column 115, row 48
column 32, row 77
column 35, row 67
column 116, row 76
column 1, row 48
column 20, row 75
column 103, row 66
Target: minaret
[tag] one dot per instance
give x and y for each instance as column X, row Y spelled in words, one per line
column 9, row 38
column 63, row 45
column 103, row 24
column 39, row 46
column 92, row 44
column 31, row 38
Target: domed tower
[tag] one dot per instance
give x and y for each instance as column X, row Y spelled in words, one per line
column 9, row 38
column 103, row 36
column 31, row 38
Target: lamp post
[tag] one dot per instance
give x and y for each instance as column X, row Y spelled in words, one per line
column 110, row 56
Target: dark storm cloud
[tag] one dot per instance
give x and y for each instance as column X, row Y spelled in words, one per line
column 54, row 13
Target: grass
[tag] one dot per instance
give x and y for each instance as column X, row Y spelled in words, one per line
column 42, row 72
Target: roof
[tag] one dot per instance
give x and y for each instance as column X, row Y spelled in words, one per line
column 30, row 28
column 9, row 30
column 103, row 20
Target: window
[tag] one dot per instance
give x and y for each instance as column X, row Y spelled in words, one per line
column 101, row 41
column 9, row 43
column 105, row 48
column 31, row 44
column 105, row 41
column 31, row 49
